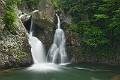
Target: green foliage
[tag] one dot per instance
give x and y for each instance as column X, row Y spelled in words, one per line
column 10, row 15
column 100, row 16
column 114, row 27
column 90, row 35
column 56, row 4
column 94, row 37
column 9, row 19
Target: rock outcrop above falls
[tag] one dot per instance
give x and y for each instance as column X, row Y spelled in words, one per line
column 43, row 23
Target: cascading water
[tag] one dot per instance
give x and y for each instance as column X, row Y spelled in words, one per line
column 37, row 48
column 57, row 53
column 38, row 54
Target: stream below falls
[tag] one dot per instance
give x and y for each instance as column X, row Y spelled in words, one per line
column 66, row 72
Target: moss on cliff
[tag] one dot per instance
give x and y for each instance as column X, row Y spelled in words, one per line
column 10, row 15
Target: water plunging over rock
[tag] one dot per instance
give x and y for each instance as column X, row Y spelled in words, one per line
column 57, row 53
column 37, row 49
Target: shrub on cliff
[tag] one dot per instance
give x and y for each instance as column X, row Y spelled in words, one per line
column 10, row 15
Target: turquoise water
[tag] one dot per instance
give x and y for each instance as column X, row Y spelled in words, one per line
column 69, row 72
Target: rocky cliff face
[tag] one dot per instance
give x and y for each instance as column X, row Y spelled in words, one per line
column 14, row 48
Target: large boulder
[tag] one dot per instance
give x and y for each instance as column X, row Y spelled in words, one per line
column 43, row 28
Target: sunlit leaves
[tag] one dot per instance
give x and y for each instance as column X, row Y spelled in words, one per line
column 100, row 16
column 94, row 36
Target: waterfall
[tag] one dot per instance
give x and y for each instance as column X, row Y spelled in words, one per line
column 38, row 54
column 37, row 48
column 57, row 53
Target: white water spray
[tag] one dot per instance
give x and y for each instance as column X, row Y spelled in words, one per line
column 57, row 53
column 37, row 48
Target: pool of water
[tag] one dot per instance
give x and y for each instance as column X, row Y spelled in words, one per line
column 69, row 72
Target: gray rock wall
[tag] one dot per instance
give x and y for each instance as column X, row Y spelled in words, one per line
column 14, row 48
